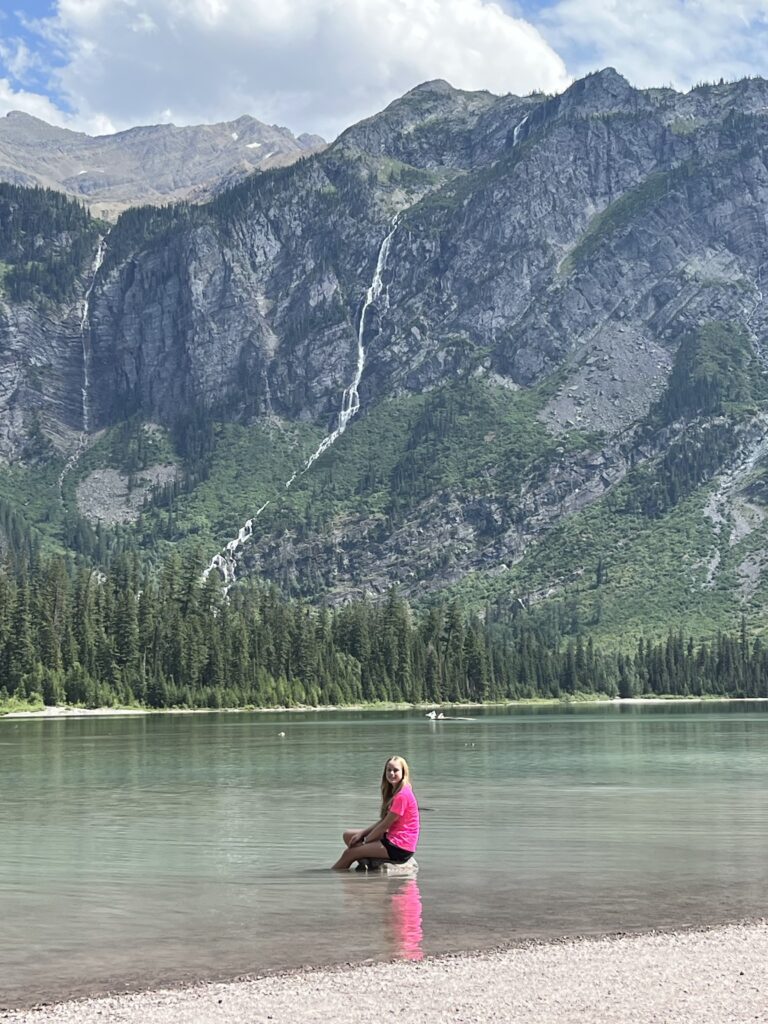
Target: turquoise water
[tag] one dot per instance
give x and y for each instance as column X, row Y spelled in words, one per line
column 138, row 850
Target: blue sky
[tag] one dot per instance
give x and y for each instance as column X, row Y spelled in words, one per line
column 17, row 34
column 319, row 65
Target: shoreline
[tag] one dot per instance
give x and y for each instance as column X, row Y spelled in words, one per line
column 66, row 711
column 692, row 975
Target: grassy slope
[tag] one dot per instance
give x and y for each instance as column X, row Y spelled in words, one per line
column 656, row 569
column 465, row 440
column 34, row 494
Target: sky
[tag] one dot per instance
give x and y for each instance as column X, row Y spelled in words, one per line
column 317, row 66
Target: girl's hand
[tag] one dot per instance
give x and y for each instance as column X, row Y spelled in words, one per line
column 356, row 838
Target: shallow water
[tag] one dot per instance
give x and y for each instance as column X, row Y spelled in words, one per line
column 140, row 850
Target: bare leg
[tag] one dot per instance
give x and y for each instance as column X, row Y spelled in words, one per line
column 349, row 835
column 374, row 850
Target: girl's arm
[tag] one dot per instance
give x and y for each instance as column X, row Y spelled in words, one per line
column 381, row 827
column 356, row 838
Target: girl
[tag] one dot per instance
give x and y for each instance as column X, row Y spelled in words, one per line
column 395, row 835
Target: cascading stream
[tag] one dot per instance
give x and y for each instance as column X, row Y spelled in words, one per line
column 350, row 402
column 85, row 338
column 226, row 560
column 518, row 129
column 85, row 331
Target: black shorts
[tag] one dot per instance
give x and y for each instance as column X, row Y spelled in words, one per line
column 396, row 854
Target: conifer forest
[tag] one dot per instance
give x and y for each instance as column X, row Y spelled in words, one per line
column 70, row 635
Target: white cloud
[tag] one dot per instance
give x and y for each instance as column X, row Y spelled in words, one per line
column 661, row 42
column 17, row 57
column 31, row 103
column 320, row 65
column 315, row 65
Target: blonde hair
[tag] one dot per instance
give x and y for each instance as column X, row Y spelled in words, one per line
column 388, row 791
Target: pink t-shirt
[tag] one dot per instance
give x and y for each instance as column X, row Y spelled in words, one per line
column 405, row 831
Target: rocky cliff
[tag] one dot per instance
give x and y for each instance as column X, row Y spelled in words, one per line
column 508, row 357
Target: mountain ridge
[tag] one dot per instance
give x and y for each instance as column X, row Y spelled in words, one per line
column 159, row 163
column 526, row 370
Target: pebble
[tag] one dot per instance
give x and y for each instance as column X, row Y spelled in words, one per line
column 715, row 976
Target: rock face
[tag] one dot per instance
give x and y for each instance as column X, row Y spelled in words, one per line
column 110, row 497
column 572, row 241
column 154, row 164
column 611, row 224
column 388, row 867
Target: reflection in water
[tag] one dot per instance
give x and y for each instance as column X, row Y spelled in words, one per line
column 388, row 910
column 405, row 919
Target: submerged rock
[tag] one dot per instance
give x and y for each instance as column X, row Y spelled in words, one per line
column 388, row 867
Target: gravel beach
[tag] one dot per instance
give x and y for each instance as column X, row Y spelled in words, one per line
column 715, row 976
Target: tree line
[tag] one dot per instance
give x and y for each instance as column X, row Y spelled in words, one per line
column 74, row 635
column 46, row 241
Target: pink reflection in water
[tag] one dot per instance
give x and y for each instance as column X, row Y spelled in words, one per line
column 405, row 920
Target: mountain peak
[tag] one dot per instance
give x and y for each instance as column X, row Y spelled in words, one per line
column 18, row 115
column 607, row 76
column 600, row 92
column 435, row 85
column 606, row 83
column 18, row 124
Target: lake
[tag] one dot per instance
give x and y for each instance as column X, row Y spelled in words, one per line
column 163, row 848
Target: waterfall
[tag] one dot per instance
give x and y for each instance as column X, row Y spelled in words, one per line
column 226, row 560
column 85, row 331
column 350, row 401
column 85, row 341
column 518, row 128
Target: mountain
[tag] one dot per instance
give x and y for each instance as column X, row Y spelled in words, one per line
column 154, row 164
column 505, row 348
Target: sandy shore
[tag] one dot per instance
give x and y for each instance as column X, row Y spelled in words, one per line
column 717, row 976
column 66, row 712
column 60, row 711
